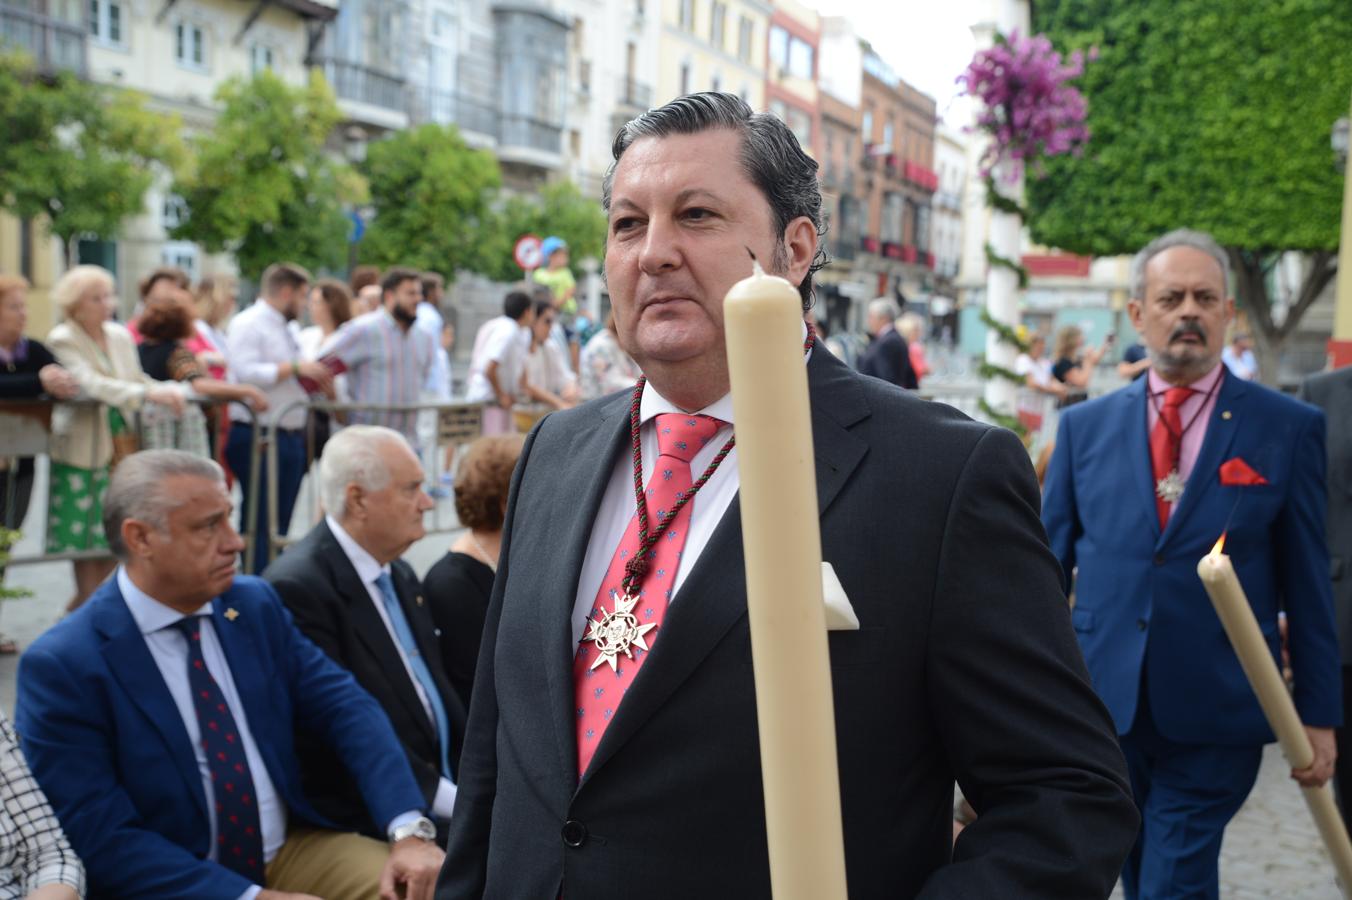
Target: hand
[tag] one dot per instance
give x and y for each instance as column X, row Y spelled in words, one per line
column 54, row 892
column 266, row 894
column 166, row 395
column 254, row 397
column 1325, row 754
column 317, row 372
column 504, row 400
column 58, row 382
column 413, row 864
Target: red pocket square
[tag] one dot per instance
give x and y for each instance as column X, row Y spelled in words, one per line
column 1237, row 473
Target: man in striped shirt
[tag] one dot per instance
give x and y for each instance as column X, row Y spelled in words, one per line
column 387, row 360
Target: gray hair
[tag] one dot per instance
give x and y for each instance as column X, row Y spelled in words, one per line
column 136, row 490
column 771, row 157
column 78, row 283
column 884, row 306
column 354, row 455
column 1180, row 237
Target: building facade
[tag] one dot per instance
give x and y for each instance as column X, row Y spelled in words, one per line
column 713, row 45
column 950, row 163
column 791, row 91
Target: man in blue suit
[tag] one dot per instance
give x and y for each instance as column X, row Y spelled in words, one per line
column 1141, row 485
column 159, row 719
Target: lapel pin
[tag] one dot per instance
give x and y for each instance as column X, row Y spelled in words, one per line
column 1226, row 415
column 420, row 600
column 232, row 614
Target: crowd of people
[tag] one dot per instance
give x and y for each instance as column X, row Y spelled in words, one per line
column 518, row 722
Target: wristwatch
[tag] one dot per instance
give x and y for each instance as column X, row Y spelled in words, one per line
column 420, row 827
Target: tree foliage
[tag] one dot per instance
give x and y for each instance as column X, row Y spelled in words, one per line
column 263, row 185
column 1209, row 116
column 433, row 198
column 559, row 209
column 80, row 155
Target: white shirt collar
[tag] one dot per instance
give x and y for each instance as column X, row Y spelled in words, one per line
column 150, row 614
column 271, row 312
column 368, row 570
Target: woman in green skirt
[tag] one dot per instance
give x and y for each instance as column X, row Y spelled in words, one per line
column 86, row 438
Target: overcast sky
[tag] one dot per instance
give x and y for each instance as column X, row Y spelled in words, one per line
column 926, row 43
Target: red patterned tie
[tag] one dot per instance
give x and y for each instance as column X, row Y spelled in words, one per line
column 598, row 687
column 1166, row 442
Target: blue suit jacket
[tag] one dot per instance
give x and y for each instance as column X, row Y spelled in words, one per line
column 1139, row 601
column 109, row 748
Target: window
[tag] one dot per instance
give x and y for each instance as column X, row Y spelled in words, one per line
column 888, row 134
column 716, row 22
column 799, row 121
column 181, row 255
column 189, row 46
column 922, row 227
column 584, row 76
column 717, row 84
column 577, row 35
column 745, row 34
column 105, row 21
column 779, row 47
column 688, row 15
column 867, row 127
column 638, row 8
column 685, row 78
column 173, row 212
column 260, row 58
column 800, row 59
column 575, row 142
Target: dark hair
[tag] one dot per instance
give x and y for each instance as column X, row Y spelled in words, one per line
column 284, row 275
column 336, row 298
column 166, row 320
column 362, row 276
column 164, row 273
column 771, row 157
column 432, row 281
column 542, row 307
column 483, row 479
column 515, row 305
column 392, row 279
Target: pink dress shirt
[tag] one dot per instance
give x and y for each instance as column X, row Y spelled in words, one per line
column 1199, row 405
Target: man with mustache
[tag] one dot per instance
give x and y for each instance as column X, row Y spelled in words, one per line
column 1141, row 485
column 387, row 360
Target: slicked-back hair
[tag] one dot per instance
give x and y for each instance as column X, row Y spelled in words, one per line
column 771, row 158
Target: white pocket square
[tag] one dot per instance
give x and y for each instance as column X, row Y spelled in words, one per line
column 839, row 613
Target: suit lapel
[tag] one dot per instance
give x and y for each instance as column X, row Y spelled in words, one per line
column 1220, row 434
column 1136, row 425
column 129, row 659
column 713, row 597
column 580, row 484
column 371, row 629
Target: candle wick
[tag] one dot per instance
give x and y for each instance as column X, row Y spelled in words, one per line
column 756, row 269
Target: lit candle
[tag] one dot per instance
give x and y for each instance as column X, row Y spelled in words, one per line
column 763, row 316
column 1241, row 627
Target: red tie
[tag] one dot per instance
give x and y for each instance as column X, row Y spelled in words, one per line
column 1166, row 444
column 598, row 687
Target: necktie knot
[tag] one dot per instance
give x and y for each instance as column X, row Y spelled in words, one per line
column 682, row 436
column 386, row 585
column 1175, row 397
column 190, row 627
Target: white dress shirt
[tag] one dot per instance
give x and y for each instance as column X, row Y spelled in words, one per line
column 262, row 343
column 503, row 341
column 368, row 570
column 169, row 648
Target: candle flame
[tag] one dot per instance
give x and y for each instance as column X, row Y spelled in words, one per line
column 756, row 269
column 1220, row 546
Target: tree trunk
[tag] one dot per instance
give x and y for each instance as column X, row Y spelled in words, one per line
column 1250, row 270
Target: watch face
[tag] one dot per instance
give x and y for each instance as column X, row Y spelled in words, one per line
column 424, row 829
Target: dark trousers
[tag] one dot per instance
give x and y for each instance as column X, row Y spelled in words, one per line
column 16, row 489
column 1342, row 775
column 290, row 471
column 1187, row 794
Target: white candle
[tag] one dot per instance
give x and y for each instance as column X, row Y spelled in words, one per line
column 782, row 543
column 1241, row 627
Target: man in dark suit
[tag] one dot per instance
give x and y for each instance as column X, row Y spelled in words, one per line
column 1332, row 392
column 583, row 778
column 158, row 719
column 1142, row 484
column 352, row 595
column 887, row 356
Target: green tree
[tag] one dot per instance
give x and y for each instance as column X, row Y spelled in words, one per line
column 80, row 155
column 433, row 198
column 263, row 185
column 560, row 209
column 1209, row 116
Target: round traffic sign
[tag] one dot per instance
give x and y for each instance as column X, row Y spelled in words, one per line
column 526, row 252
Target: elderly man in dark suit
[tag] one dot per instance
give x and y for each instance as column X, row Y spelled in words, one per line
column 1332, row 392
column 599, row 778
column 887, row 355
column 352, row 595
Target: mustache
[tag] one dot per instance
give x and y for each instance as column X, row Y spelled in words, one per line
column 1186, row 328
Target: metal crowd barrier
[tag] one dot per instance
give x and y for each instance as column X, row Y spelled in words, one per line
column 26, row 433
column 457, row 424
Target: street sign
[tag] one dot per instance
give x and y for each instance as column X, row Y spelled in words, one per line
column 526, row 252
column 358, row 229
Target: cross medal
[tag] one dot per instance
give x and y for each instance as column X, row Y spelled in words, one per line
column 1170, row 487
column 616, row 632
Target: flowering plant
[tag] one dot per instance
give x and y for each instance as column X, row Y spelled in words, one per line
column 1029, row 108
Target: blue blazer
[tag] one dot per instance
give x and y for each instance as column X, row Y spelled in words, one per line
column 109, row 748
column 1140, row 606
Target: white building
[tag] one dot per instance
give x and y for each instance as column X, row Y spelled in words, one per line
column 950, row 162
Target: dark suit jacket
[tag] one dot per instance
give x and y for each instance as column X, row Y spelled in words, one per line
column 318, row 583
column 886, row 357
column 964, row 667
column 1332, row 392
column 1139, row 604
column 108, row 746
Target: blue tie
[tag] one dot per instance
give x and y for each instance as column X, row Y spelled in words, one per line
column 418, row 665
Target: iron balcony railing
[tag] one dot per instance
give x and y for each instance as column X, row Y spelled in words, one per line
column 52, row 43
column 466, row 113
column 363, row 84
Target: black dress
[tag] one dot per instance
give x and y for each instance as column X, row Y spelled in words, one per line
column 19, row 380
column 457, row 589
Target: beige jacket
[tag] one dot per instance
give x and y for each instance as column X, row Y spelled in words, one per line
column 80, row 433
